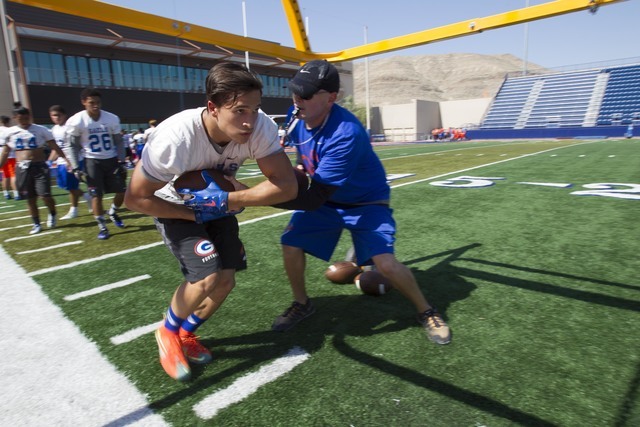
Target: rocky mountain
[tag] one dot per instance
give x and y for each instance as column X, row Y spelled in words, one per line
column 398, row 79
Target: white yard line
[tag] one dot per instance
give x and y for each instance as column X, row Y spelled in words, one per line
column 48, row 248
column 31, row 236
column 132, row 334
column 105, row 288
column 52, row 374
column 248, row 384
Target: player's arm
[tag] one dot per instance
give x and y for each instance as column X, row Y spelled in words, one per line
column 4, row 155
column 280, row 185
column 72, row 149
column 140, row 197
column 56, row 151
column 309, row 199
column 117, row 140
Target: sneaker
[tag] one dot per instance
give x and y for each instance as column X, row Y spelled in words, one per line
column 172, row 357
column 70, row 215
column 116, row 220
column 434, row 326
column 103, row 234
column 35, row 229
column 51, row 221
column 7, row 196
column 193, row 349
column 292, row 315
column 18, row 197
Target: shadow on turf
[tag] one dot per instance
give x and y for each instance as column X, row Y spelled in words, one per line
column 342, row 315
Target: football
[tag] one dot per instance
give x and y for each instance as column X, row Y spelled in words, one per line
column 373, row 283
column 342, row 272
column 193, row 180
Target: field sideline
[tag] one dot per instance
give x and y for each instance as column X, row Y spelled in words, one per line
column 130, row 406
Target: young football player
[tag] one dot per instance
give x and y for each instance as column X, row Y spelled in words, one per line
column 64, row 177
column 202, row 233
column 33, row 177
column 98, row 134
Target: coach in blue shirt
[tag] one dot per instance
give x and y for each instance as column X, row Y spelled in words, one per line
column 348, row 191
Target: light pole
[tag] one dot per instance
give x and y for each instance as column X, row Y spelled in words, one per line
column 526, row 44
column 366, row 86
column 244, row 25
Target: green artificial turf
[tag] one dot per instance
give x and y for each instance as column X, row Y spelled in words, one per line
column 539, row 286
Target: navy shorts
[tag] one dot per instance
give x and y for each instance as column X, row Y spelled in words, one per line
column 204, row 249
column 317, row 232
column 103, row 176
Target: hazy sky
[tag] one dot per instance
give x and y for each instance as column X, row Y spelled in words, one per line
column 577, row 38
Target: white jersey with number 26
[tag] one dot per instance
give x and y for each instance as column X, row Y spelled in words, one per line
column 96, row 136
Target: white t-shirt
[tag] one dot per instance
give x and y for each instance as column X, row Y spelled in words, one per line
column 31, row 138
column 59, row 135
column 180, row 144
column 4, row 131
column 96, row 136
column 147, row 132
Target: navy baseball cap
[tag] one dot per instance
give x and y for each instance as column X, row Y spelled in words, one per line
column 314, row 76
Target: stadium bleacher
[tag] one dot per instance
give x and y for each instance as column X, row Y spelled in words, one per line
column 592, row 101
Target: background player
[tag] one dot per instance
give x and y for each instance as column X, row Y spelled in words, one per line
column 9, row 168
column 33, row 177
column 97, row 133
column 64, row 176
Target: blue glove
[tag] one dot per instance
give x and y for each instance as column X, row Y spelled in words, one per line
column 212, row 199
column 206, row 216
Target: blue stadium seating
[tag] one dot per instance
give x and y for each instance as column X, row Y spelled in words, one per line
column 588, row 98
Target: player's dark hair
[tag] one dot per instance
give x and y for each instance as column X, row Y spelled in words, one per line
column 89, row 92
column 20, row 110
column 57, row 109
column 227, row 81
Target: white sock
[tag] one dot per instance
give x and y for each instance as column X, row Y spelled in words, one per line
column 113, row 209
column 16, row 193
column 73, row 210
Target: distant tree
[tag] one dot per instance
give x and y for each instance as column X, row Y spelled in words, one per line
column 358, row 110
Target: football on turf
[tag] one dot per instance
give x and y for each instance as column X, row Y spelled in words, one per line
column 193, row 180
column 373, row 283
column 342, row 272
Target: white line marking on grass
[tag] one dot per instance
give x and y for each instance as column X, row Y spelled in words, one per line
column 104, row 288
column 248, row 384
column 17, row 226
column 13, row 219
column 547, row 184
column 487, row 164
column 53, row 374
column 90, row 260
column 48, row 248
column 32, row 235
column 132, row 334
column 582, row 155
column 613, row 155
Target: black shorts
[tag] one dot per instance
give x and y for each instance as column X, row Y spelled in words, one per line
column 203, row 249
column 103, row 176
column 33, row 179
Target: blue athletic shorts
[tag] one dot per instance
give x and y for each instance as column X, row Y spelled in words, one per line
column 317, row 232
